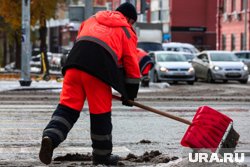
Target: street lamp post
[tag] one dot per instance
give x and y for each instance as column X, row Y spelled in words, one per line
column 25, row 42
column 88, row 9
column 245, row 25
column 219, row 13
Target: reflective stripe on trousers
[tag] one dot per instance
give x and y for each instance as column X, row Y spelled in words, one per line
column 101, row 129
column 61, row 122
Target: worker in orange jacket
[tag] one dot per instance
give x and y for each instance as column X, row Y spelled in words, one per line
column 103, row 57
column 145, row 64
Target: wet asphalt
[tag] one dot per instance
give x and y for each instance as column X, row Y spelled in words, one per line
column 25, row 113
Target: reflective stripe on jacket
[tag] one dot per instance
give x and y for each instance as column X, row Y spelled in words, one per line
column 111, row 30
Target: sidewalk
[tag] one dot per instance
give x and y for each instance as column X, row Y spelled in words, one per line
column 16, row 75
column 10, row 81
column 13, row 84
column 6, row 85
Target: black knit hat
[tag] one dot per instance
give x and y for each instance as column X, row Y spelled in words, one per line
column 128, row 10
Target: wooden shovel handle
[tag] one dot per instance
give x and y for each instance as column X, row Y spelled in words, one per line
column 155, row 111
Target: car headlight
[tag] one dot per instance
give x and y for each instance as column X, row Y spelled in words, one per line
column 217, row 68
column 191, row 69
column 245, row 68
column 163, row 69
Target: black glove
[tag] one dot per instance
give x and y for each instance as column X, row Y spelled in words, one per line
column 131, row 90
column 125, row 102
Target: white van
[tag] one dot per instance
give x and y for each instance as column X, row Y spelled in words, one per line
column 180, row 47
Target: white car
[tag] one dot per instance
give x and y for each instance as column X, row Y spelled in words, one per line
column 148, row 46
column 244, row 56
column 171, row 66
column 180, row 47
column 219, row 65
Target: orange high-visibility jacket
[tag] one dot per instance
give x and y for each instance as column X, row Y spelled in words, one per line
column 105, row 47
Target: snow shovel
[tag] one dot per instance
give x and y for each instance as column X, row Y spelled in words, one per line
column 209, row 129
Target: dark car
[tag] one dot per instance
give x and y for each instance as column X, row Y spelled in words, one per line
column 65, row 53
column 150, row 46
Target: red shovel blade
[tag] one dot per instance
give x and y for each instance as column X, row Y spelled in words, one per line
column 207, row 129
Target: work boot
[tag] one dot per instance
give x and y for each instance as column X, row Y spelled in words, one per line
column 46, row 151
column 105, row 160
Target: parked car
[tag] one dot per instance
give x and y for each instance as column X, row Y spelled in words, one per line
column 219, row 65
column 180, row 47
column 65, row 53
column 189, row 56
column 55, row 62
column 150, row 46
column 35, row 63
column 244, row 56
column 171, row 66
column 53, row 59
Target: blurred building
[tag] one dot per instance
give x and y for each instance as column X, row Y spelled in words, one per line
column 76, row 14
column 193, row 21
column 233, row 22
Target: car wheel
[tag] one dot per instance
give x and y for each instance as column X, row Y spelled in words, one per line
column 244, row 81
column 190, row 82
column 46, row 77
column 195, row 79
column 156, row 79
column 63, row 60
column 210, row 77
